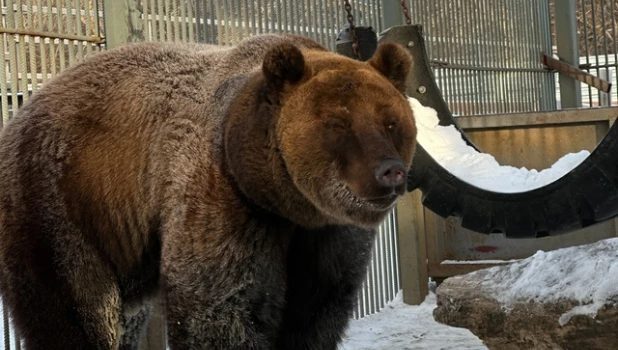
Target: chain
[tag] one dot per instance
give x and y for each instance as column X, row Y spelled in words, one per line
column 355, row 48
column 404, row 9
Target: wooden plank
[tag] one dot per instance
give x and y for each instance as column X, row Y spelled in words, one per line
column 528, row 119
column 412, row 248
column 576, row 73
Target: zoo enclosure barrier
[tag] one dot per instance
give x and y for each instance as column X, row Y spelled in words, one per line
column 485, row 56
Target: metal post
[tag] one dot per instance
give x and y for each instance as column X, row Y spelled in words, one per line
column 391, row 14
column 567, row 45
column 123, row 22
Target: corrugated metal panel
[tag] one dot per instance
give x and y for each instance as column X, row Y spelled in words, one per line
column 486, row 54
column 383, row 277
column 227, row 22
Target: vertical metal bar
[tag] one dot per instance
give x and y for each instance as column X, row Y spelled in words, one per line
column 396, row 251
column 566, row 42
column 161, row 19
column 490, row 56
column 499, row 57
column 13, row 70
column 88, row 6
column 34, row 81
column 213, row 25
column 386, row 260
column 586, row 41
column 373, row 308
column 175, row 20
column 52, row 44
column 245, row 18
column 154, row 21
column 233, row 13
column 60, row 48
column 466, row 33
column 450, row 42
column 283, row 15
column 312, row 20
column 596, row 46
column 279, row 17
column 518, row 46
column 4, row 91
column 378, row 268
column 469, row 33
column 183, row 21
column 145, row 20
column 615, row 49
column 69, row 29
column 168, row 20
column 5, row 321
column 220, row 16
column 260, row 16
column 338, row 16
column 508, row 59
column 253, row 25
column 549, row 78
column 536, row 47
column 199, row 15
column 305, row 25
column 21, row 54
column 78, row 29
column 382, row 266
column 476, row 59
column 190, row 18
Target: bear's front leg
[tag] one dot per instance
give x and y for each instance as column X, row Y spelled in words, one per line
column 325, row 270
column 224, row 290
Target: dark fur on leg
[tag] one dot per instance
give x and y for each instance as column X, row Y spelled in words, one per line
column 325, row 270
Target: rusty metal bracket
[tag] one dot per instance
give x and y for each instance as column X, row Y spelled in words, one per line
column 576, row 73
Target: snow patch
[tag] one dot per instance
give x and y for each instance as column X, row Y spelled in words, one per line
column 448, row 148
column 402, row 326
column 586, row 274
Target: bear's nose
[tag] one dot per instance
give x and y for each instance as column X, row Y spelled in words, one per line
column 390, row 173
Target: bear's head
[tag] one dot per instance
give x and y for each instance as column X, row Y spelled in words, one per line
column 332, row 138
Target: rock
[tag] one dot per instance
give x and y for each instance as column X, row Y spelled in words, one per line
column 559, row 300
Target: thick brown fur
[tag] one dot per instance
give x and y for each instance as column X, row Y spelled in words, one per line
column 239, row 182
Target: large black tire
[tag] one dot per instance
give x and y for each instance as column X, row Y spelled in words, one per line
column 585, row 196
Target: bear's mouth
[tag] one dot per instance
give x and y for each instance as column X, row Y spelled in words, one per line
column 374, row 204
column 386, row 202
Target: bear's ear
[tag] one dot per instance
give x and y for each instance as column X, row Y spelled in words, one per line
column 394, row 62
column 283, row 63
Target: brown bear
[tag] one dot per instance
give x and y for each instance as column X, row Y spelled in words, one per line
column 244, row 184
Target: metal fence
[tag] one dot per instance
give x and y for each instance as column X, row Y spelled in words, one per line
column 383, row 275
column 228, row 21
column 40, row 38
column 598, row 51
column 486, row 54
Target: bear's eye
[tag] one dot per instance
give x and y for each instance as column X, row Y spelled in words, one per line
column 391, row 126
column 336, row 124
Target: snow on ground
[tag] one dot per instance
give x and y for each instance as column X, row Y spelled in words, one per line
column 400, row 326
column 587, row 274
column 446, row 146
